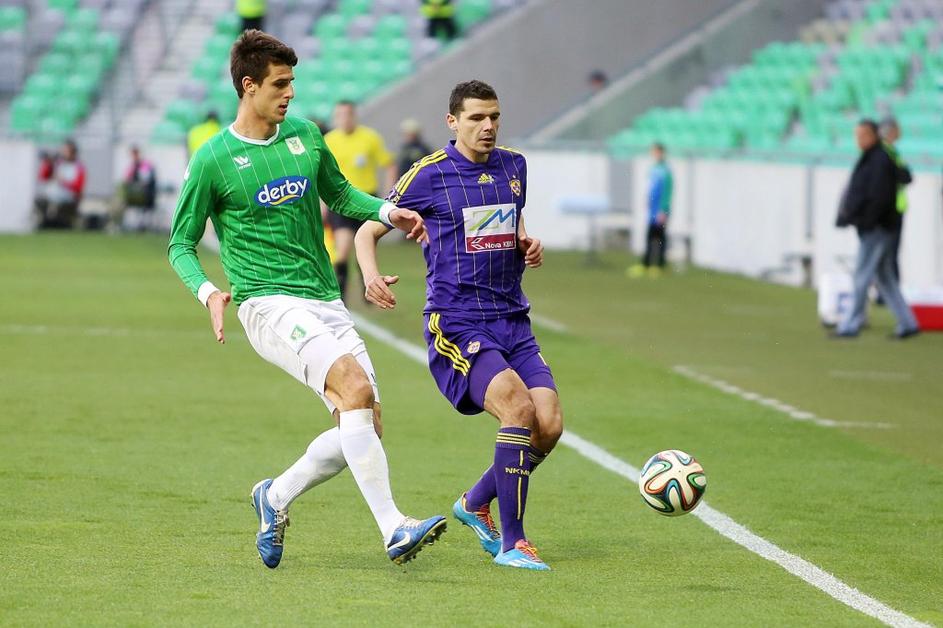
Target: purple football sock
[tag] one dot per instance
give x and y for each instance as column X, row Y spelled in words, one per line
column 482, row 492
column 511, row 475
column 485, row 490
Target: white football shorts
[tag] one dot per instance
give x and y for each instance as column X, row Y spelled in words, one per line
column 304, row 338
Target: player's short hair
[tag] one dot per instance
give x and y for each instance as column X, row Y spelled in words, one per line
column 346, row 103
column 251, row 55
column 870, row 124
column 478, row 90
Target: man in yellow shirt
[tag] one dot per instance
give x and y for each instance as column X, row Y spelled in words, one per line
column 203, row 131
column 360, row 152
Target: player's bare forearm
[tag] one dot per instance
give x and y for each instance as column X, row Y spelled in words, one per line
column 216, row 304
column 376, row 286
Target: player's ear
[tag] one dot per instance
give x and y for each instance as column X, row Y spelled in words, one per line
column 248, row 86
column 451, row 121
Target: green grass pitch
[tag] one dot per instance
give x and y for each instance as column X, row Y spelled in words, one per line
column 130, row 440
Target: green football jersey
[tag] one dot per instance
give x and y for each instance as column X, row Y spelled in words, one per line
column 262, row 197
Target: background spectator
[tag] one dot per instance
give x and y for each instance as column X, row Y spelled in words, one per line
column 597, row 81
column 139, row 191
column 870, row 205
column 252, row 13
column 660, row 188
column 63, row 191
column 360, row 152
column 890, row 133
column 441, row 19
column 413, row 148
column 203, row 131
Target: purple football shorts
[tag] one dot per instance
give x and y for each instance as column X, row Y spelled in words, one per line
column 464, row 356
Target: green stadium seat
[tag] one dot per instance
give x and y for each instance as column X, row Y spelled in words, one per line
column 84, row 20
column 367, row 49
column 70, row 42
column 168, row 132
column 56, row 63
column 228, row 24
column 218, row 47
column 390, row 27
column 338, row 48
column 331, row 26
column 353, row 8
column 396, row 50
column 67, row 6
column 207, row 69
column 108, row 45
column 12, row 18
column 470, row 12
column 183, row 112
column 53, row 128
column 42, row 83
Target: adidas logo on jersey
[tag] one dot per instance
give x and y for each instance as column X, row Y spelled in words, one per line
column 281, row 191
column 485, row 178
column 242, row 161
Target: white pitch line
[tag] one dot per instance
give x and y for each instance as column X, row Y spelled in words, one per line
column 716, row 520
column 780, row 406
column 548, row 323
column 739, row 534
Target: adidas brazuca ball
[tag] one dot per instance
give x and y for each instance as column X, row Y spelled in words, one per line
column 672, row 482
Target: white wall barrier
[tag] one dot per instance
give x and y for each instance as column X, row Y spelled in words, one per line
column 749, row 217
column 18, row 165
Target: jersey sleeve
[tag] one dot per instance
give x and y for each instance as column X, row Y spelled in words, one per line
column 523, row 168
column 341, row 197
column 197, row 198
column 413, row 190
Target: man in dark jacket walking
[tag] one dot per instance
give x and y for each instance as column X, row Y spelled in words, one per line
column 870, row 205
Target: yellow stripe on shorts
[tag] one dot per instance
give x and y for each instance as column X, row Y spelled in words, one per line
column 446, row 348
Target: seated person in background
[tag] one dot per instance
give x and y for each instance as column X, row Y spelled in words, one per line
column 63, row 191
column 139, row 190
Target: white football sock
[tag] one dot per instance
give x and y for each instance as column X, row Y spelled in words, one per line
column 323, row 460
column 367, row 462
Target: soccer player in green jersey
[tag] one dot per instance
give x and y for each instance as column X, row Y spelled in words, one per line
column 259, row 182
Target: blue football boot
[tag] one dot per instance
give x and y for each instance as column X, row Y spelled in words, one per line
column 481, row 523
column 272, row 524
column 524, row 556
column 411, row 535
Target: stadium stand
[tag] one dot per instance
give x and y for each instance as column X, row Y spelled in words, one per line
column 348, row 50
column 77, row 45
column 864, row 58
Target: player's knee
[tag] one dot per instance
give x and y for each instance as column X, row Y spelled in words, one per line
column 358, row 394
column 521, row 412
column 551, row 426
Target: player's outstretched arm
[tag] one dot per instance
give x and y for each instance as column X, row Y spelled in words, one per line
column 377, row 286
column 530, row 248
column 411, row 222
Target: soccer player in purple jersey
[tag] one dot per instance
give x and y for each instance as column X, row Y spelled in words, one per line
column 482, row 352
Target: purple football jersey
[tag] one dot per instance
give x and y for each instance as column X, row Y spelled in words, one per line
column 474, row 269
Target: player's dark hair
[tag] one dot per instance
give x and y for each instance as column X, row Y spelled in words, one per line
column 251, row 55
column 479, row 90
column 869, row 123
column 346, row 103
